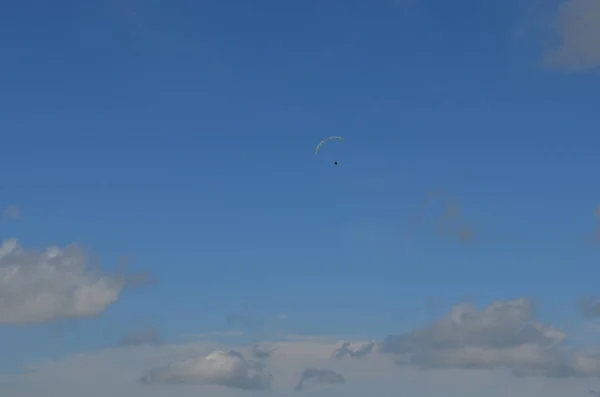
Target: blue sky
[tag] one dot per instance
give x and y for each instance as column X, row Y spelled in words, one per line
column 183, row 135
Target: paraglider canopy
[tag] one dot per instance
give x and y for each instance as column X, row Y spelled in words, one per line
column 320, row 145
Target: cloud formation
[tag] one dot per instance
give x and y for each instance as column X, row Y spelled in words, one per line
column 590, row 307
column 469, row 352
column 223, row 368
column 51, row 284
column 578, row 24
column 447, row 216
column 194, row 371
column 147, row 337
column 12, row 212
column 262, row 351
column 320, row 376
column 503, row 335
column 357, row 349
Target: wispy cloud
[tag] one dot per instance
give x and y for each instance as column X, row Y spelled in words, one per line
column 578, row 30
column 596, row 237
column 257, row 328
column 12, row 212
column 590, row 307
column 443, row 214
column 206, row 335
column 147, row 337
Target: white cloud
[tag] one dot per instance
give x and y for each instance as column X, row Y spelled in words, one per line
column 116, row 372
column 578, row 27
column 51, row 284
column 224, row 368
column 470, row 352
column 503, row 335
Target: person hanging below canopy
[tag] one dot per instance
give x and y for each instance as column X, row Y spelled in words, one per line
column 322, row 143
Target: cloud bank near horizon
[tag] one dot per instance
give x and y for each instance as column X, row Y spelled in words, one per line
column 499, row 350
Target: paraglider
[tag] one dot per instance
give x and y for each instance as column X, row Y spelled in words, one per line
column 320, row 145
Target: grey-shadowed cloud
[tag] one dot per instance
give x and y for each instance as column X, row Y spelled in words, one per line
column 223, row 368
column 40, row 286
column 262, row 351
column 147, row 337
column 353, row 350
column 320, row 376
column 577, row 26
column 476, row 352
column 54, row 283
column 589, row 307
column 506, row 334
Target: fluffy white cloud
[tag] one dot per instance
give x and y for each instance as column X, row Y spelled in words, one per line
column 503, row 335
column 224, row 368
column 468, row 353
column 579, row 32
column 51, row 284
